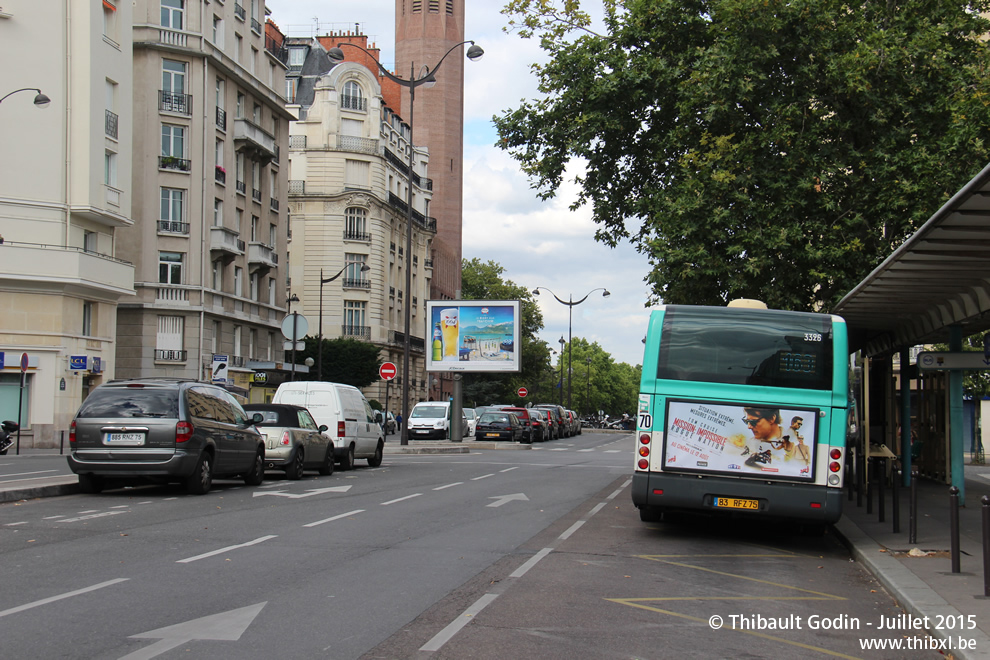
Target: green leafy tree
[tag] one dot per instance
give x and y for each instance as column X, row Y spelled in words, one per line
column 345, row 360
column 767, row 149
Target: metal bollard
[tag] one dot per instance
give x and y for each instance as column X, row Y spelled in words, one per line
column 882, row 469
column 985, row 500
column 895, row 496
column 61, row 442
column 954, row 527
column 913, row 508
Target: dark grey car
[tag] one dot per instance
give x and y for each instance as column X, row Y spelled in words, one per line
column 164, row 429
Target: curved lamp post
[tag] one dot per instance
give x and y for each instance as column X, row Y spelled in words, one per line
column 427, row 80
column 561, row 385
column 570, row 302
column 40, row 99
column 295, row 325
column 319, row 342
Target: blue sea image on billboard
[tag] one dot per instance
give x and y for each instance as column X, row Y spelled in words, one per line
column 486, row 333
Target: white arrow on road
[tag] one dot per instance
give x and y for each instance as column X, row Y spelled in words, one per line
column 502, row 499
column 226, row 627
column 308, row 493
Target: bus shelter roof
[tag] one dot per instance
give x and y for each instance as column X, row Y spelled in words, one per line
column 937, row 278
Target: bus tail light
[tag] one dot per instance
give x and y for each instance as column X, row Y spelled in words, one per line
column 644, row 451
column 835, row 454
column 834, row 466
column 644, row 439
column 643, row 464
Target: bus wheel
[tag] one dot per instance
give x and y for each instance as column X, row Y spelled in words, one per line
column 650, row 514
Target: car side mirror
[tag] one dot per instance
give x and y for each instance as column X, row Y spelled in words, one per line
column 257, row 418
column 323, row 428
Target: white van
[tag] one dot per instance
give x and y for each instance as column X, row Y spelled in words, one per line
column 349, row 418
column 431, row 420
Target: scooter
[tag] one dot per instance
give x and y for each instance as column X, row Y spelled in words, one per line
column 6, row 429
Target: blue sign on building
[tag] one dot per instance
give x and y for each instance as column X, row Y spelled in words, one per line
column 77, row 362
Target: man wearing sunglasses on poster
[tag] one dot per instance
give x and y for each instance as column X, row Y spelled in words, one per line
column 764, row 423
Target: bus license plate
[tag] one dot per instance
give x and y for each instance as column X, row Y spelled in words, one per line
column 736, row 503
column 126, row 439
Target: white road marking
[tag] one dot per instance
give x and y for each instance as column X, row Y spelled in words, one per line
column 15, row 524
column 401, row 499
column 227, row 549
column 45, row 601
column 94, row 515
column 519, row 572
column 456, row 483
column 484, row 476
column 454, row 626
column 502, row 499
column 326, row 520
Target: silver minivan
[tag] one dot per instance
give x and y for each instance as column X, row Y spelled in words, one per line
column 349, row 418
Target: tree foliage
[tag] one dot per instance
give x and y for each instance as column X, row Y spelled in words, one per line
column 766, row 149
column 345, row 360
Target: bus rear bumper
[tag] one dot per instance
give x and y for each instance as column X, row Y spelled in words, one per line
column 652, row 491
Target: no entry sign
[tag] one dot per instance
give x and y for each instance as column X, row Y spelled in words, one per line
column 387, row 371
column 522, row 392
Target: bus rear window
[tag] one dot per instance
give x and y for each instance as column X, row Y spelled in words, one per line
column 746, row 347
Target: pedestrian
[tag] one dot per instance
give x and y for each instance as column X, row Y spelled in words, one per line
column 398, row 422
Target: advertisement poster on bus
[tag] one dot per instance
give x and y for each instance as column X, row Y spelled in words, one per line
column 746, row 440
column 473, row 335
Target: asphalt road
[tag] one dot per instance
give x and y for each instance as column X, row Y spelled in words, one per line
column 540, row 553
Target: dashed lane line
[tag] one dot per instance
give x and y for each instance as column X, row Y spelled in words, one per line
column 52, row 599
column 227, row 549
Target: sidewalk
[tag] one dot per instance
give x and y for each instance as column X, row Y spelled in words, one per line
column 922, row 582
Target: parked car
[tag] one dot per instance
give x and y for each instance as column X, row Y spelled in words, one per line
column 533, row 430
column 539, row 418
column 472, row 420
column 345, row 412
column 575, row 423
column 163, row 430
column 499, row 425
column 556, row 415
column 431, row 420
column 386, row 421
column 293, row 441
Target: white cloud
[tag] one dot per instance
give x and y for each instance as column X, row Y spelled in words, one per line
column 538, row 243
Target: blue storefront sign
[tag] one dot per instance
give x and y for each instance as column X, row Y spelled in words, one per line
column 78, row 362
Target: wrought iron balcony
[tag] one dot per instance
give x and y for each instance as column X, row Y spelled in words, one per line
column 220, row 174
column 256, row 195
column 241, row 187
column 174, row 163
column 278, row 51
column 255, row 25
column 221, row 119
column 239, row 11
column 418, row 218
column 356, row 236
column 170, row 355
column 357, row 144
column 173, row 227
column 297, row 187
column 356, row 283
column 179, row 103
column 360, row 331
column 111, row 125
column 350, row 102
column 274, row 204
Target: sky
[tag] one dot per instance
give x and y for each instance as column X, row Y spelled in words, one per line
column 538, row 243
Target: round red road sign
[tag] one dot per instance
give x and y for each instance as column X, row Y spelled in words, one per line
column 387, row 371
column 522, row 392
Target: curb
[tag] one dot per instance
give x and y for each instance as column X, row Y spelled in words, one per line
column 913, row 594
column 34, row 492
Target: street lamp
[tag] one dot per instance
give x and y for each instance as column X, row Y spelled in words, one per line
column 40, row 99
column 570, row 302
column 427, row 80
column 587, row 400
column 319, row 343
column 561, row 370
column 295, row 328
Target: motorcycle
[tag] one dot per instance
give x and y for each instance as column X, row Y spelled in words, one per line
column 6, row 429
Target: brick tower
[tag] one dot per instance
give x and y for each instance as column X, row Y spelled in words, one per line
column 424, row 31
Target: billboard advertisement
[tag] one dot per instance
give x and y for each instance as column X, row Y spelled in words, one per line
column 759, row 440
column 473, row 335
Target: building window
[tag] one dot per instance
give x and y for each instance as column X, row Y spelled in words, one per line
column 253, row 64
column 252, row 343
column 272, row 235
column 237, row 340
column 169, row 341
column 297, row 56
column 170, row 267
column 87, row 319
column 90, row 241
column 172, row 14
column 218, row 32
column 356, row 222
column 240, row 105
column 291, row 85
column 354, row 316
column 271, row 290
column 238, row 280
column 110, row 21
column 217, row 279
column 271, row 347
column 217, row 212
column 255, row 222
column 354, row 263
column 173, row 142
column 255, row 285
column 110, row 169
column 173, row 77
column 172, row 204
column 357, row 173
column 215, row 340
column 353, row 97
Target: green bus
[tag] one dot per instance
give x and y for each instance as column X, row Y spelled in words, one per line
column 742, row 410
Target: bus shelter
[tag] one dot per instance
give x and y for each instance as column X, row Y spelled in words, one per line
column 934, row 289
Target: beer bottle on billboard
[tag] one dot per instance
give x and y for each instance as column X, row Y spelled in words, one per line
column 437, row 344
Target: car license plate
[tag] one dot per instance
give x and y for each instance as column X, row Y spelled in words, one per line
column 127, row 439
column 493, row 435
column 736, row 503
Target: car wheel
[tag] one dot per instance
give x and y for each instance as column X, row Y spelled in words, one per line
column 257, row 473
column 201, row 480
column 347, row 461
column 294, row 470
column 376, row 460
column 327, row 468
column 90, row 484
